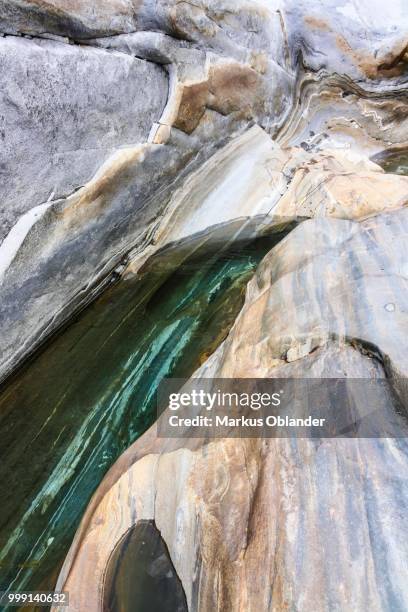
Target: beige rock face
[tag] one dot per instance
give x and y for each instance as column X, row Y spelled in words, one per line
column 253, row 179
column 334, row 279
column 277, row 524
column 344, row 185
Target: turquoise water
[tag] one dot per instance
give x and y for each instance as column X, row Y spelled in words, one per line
column 90, row 394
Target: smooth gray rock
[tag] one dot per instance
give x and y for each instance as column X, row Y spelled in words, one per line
column 73, row 18
column 363, row 39
column 78, row 244
column 64, row 110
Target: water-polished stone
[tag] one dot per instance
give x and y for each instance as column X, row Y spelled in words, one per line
column 325, row 519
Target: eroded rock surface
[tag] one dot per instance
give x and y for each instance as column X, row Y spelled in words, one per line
column 72, row 18
column 144, row 93
column 131, row 125
column 323, row 519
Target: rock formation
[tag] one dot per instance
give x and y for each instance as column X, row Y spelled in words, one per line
column 281, row 524
column 81, row 145
column 130, row 128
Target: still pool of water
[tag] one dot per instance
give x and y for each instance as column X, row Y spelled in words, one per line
column 143, row 553
column 395, row 162
column 75, row 408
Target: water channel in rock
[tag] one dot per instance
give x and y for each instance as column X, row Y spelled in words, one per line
column 140, row 576
column 90, row 393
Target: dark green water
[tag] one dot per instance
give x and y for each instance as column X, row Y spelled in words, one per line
column 395, row 162
column 90, row 394
column 142, row 553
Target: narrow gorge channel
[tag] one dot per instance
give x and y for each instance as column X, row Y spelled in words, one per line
column 203, row 191
column 79, row 404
